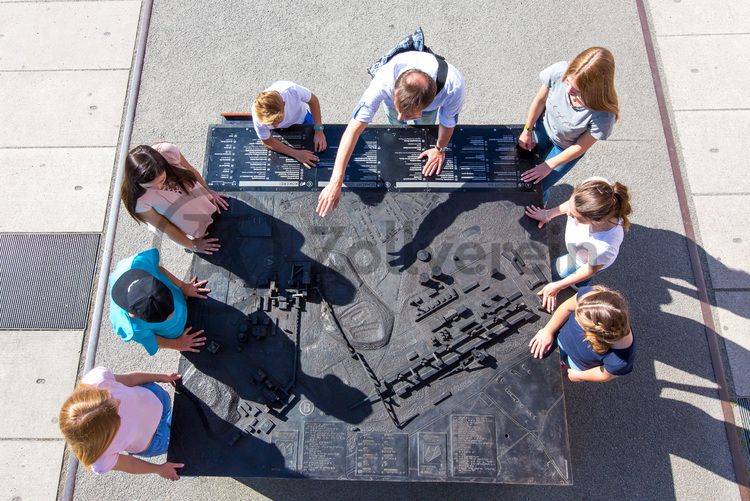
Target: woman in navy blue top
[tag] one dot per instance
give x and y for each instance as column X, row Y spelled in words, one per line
column 593, row 333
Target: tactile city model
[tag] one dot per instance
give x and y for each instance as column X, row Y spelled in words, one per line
column 387, row 341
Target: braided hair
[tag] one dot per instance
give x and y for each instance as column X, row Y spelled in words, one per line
column 603, row 315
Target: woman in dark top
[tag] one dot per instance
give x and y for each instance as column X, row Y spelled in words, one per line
column 593, row 333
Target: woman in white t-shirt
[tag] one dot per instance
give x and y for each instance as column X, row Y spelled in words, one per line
column 282, row 105
column 598, row 214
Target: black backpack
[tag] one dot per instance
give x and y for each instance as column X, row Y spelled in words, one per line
column 413, row 42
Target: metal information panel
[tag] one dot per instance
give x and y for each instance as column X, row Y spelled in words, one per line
column 388, row 341
column 385, row 157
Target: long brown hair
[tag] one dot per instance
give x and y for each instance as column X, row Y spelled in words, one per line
column 89, row 422
column 599, row 200
column 594, row 72
column 143, row 165
column 603, row 315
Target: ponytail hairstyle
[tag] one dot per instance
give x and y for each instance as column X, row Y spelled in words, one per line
column 89, row 422
column 143, row 165
column 594, row 73
column 603, row 315
column 598, row 200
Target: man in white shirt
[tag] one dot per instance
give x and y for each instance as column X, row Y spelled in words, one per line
column 407, row 87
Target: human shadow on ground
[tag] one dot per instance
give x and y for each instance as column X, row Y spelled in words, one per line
column 253, row 349
column 445, row 214
column 660, row 411
column 257, row 248
column 636, row 431
column 245, row 369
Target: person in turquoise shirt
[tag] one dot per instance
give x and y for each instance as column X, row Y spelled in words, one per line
column 148, row 304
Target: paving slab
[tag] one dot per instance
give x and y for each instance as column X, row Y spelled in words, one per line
column 706, row 72
column 37, row 375
column 61, row 108
column 685, row 17
column 733, row 308
column 727, row 245
column 67, row 35
column 79, row 179
column 30, row 469
column 712, row 150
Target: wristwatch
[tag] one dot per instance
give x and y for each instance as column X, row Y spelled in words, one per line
column 528, row 128
column 318, row 127
column 440, row 148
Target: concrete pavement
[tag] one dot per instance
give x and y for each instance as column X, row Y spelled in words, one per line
column 656, row 434
column 633, row 438
column 63, row 74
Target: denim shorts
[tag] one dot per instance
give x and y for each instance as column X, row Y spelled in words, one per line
column 160, row 443
column 548, row 149
column 566, row 265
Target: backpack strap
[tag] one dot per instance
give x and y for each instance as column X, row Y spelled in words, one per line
column 442, row 73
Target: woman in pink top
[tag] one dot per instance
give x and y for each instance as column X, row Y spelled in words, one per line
column 111, row 414
column 162, row 189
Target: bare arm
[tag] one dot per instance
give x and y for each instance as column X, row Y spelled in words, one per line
column 319, row 138
column 542, row 341
column 188, row 341
column 280, row 147
column 544, row 216
column 583, row 144
column 314, row 104
column 166, row 226
column 305, row 157
column 329, row 197
column 161, row 223
column 561, row 314
column 549, row 292
column 526, row 139
column 130, row 464
column 594, row 375
column 542, row 170
column 176, row 281
column 348, row 141
column 139, row 378
column 583, row 273
column 194, row 288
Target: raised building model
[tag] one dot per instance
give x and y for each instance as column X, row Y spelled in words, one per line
column 387, row 341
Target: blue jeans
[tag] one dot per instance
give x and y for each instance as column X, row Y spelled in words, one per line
column 545, row 144
column 564, row 357
column 308, row 119
column 160, row 443
column 566, row 265
column 428, row 118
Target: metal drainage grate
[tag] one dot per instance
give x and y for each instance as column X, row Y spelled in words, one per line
column 743, row 403
column 45, row 280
